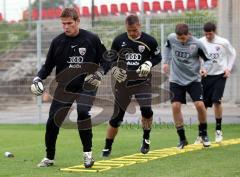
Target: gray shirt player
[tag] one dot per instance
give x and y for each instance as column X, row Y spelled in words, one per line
column 184, row 59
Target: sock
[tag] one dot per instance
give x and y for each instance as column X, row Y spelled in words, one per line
column 199, row 130
column 181, row 133
column 146, row 134
column 86, row 138
column 108, row 143
column 219, row 123
column 203, row 129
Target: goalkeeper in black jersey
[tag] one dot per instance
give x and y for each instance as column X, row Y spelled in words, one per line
column 77, row 55
column 135, row 53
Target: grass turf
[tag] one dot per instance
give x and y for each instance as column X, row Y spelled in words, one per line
column 26, row 142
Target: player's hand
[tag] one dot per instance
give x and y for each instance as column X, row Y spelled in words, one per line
column 119, row 74
column 203, row 72
column 165, row 68
column 37, row 87
column 94, row 79
column 144, row 69
column 227, row 73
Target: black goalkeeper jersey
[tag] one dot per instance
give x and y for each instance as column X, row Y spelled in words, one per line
column 70, row 54
column 135, row 52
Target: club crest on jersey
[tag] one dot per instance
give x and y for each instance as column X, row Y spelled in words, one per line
column 141, row 48
column 82, row 51
column 192, row 47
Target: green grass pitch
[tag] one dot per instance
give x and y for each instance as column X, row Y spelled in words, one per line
column 26, row 142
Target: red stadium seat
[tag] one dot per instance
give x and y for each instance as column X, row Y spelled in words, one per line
column 191, row 5
column 35, row 14
column 124, row 8
column 134, row 7
column 58, row 12
column 203, row 4
column 114, row 9
column 156, row 7
column 179, row 5
column 146, row 6
column 104, row 10
column 96, row 12
column 214, row 3
column 167, row 6
column 85, row 11
column 44, row 14
column 50, row 13
column 1, row 17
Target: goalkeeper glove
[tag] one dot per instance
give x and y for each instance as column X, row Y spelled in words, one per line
column 119, row 74
column 37, row 87
column 144, row 69
column 94, row 79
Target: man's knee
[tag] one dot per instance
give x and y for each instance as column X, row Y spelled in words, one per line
column 147, row 112
column 115, row 122
column 84, row 120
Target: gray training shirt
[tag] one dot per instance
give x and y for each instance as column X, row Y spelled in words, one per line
column 184, row 59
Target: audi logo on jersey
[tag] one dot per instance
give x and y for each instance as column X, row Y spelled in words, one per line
column 133, row 59
column 133, row 56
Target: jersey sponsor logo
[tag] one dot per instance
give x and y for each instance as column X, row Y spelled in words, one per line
column 75, row 59
column 82, row 51
column 133, row 59
column 182, row 54
column 214, row 56
column 74, row 66
column 133, row 56
column 141, row 48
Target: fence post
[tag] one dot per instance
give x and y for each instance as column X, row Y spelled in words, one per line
column 39, row 54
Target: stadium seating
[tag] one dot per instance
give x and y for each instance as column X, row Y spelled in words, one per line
column 104, row 10
column 167, row 6
column 191, row 5
column 214, row 3
column 1, row 17
column 96, row 12
column 134, row 8
column 124, row 8
column 85, row 11
column 114, row 9
column 203, row 4
column 156, row 7
column 179, row 5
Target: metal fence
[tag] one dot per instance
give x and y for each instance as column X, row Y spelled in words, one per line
column 18, row 63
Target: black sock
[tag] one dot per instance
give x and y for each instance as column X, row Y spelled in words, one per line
column 108, row 143
column 86, row 138
column 219, row 123
column 203, row 129
column 146, row 134
column 181, row 133
column 199, row 130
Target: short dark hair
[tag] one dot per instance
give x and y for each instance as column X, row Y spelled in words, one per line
column 132, row 19
column 181, row 29
column 209, row 26
column 70, row 12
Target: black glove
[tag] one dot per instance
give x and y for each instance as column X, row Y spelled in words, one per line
column 37, row 87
